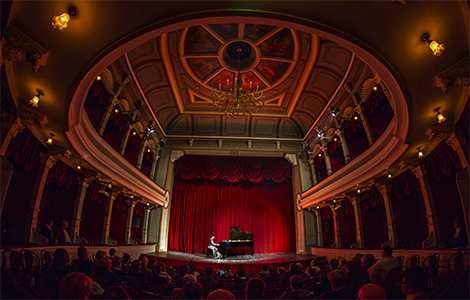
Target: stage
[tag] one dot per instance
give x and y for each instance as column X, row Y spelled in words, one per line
column 250, row 263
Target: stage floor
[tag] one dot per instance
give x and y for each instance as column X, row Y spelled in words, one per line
column 250, row 263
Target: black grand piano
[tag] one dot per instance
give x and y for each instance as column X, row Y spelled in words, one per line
column 237, row 239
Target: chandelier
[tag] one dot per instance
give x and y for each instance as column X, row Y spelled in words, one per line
column 236, row 99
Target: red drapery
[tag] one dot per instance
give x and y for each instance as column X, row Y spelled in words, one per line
column 211, row 194
column 96, row 103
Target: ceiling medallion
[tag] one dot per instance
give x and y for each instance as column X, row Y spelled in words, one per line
column 240, row 98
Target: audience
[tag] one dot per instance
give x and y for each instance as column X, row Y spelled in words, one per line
column 207, row 278
column 178, row 293
column 254, row 288
column 339, row 289
column 414, row 282
column 48, row 232
column 381, row 268
column 371, row 291
column 146, row 272
column 193, row 290
column 273, row 276
column 227, row 272
column 75, row 285
column 264, row 272
column 126, row 263
column 297, row 290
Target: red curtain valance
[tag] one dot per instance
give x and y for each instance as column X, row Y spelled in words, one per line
column 442, row 161
column 23, row 147
column 405, row 183
column 93, row 193
column 233, row 169
column 61, row 173
column 99, row 91
column 326, row 213
column 372, row 199
column 119, row 120
column 346, row 207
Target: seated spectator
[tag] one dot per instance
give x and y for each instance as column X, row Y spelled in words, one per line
column 314, row 264
column 178, row 278
column 241, row 278
column 75, row 285
column 220, row 294
column 117, row 266
column 293, row 270
column 254, row 288
column 227, row 272
column 82, row 258
column 281, row 271
column 146, row 272
column 126, row 263
column 60, row 264
column 61, row 235
column 296, row 290
column 177, row 292
column 459, row 238
column 151, row 262
column 135, row 270
column 273, row 276
column 325, row 285
column 115, row 292
column 207, row 278
column 367, row 261
column 338, row 281
column 376, row 276
column 168, row 269
column 104, row 271
column 157, row 276
column 99, row 255
column 385, row 264
column 264, row 272
column 371, row 291
column 414, row 282
column 192, row 269
column 112, row 253
column 193, row 290
column 342, row 263
column 300, row 268
column 164, row 271
column 355, row 281
column 48, row 232
column 88, row 268
column 311, row 281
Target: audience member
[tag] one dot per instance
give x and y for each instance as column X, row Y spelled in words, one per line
column 459, row 238
column 220, row 294
column 126, row 263
column 157, row 277
column 178, row 278
column 75, row 285
column 241, row 278
column 342, row 263
column 164, row 271
column 62, row 236
column 281, row 271
column 338, row 281
column 146, row 272
column 135, row 270
column 193, row 290
column 386, row 263
column 168, row 269
column 151, row 262
column 273, row 276
column 296, row 290
column 82, row 259
column 311, row 281
column 254, row 288
column 371, row 291
column 414, row 282
column 367, row 261
column 104, row 271
column 99, row 255
column 117, row 266
column 227, row 272
column 293, row 270
column 60, row 263
column 314, row 264
column 48, row 232
column 325, row 285
column 192, row 269
column 353, row 269
column 264, row 272
column 112, row 253
column 207, row 278
column 178, row 293
column 115, row 292
column 87, row 267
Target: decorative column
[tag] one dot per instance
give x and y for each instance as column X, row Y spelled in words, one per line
column 299, row 213
column 122, row 148
column 106, row 240
column 83, row 184
column 14, row 129
column 141, row 153
column 358, row 109
column 312, row 169
column 327, row 157
column 30, row 233
column 337, row 243
column 130, row 214
column 146, row 224
column 356, row 201
column 165, row 218
column 344, row 146
column 153, row 170
column 459, row 144
column 319, row 228
column 431, row 214
column 392, row 231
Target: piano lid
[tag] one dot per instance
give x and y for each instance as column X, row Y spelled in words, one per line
column 235, row 234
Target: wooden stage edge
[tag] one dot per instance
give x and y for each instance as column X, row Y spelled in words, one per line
column 254, row 263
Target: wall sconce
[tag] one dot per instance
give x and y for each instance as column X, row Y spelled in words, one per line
column 116, row 110
column 334, row 111
column 134, row 133
column 79, row 166
column 50, row 140
column 440, row 117
column 319, row 154
column 355, row 117
column 435, row 47
column 389, row 174
column 35, row 100
column 420, row 153
column 358, row 189
column 375, row 88
column 98, row 77
column 318, row 206
column 150, row 128
column 321, row 132
column 61, row 22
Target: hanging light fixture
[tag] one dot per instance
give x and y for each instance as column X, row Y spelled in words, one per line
column 50, row 140
column 236, row 99
column 420, row 153
column 435, row 47
column 389, row 175
column 334, row 111
column 35, row 100
column 61, row 22
column 440, row 116
column 79, row 166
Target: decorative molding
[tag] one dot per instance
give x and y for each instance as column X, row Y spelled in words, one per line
column 18, row 47
column 167, row 199
column 36, row 238
column 430, row 242
column 109, row 241
column 220, row 142
column 78, row 240
column 278, row 144
column 292, row 158
column 175, row 155
column 57, row 151
column 441, row 131
column 250, row 144
column 455, row 75
column 30, row 116
column 298, row 201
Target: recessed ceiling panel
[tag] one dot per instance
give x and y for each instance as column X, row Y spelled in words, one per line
column 181, row 125
column 199, row 40
column 264, row 127
column 206, row 125
column 203, row 67
column 226, row 31
column 288, row 129
column 257, row 31
column 150, row 75
column 281, row 44
column 236, row 126
column 272, row 70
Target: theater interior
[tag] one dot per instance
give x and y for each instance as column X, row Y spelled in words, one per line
column 324, row 128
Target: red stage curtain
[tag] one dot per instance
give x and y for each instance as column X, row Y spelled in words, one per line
column 202, row 207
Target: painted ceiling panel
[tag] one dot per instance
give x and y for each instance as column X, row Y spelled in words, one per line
column 205, row 125
column 150, row 75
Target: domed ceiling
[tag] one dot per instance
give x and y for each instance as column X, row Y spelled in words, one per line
column 299, row 74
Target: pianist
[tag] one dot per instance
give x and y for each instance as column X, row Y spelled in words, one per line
column 213, row 247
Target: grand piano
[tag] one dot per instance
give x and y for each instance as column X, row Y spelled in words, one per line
column 237, row 239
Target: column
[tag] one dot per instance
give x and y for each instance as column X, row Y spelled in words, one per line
column 14, row 129
column 392, row 231
column 141, row 153
column 299, row 213
column 344, row 146
column 154, row 164
column 130, row 214
column 319, row 228
column 46, row 163
column 146, row 224
column 337, row 243
column 312, row 169
column 107, row 220
column 356, row 201
column 83, row 184
column 365, row 123
column 431, row 214
column 327, row 157
column 104, row 121
column 459, row 144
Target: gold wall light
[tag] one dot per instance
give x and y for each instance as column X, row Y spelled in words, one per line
column 435, row 47
column 50, row 140
column 35, row 100
column 61, row 22
column 79, row 166
column 420, row 153
column 440, row 116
